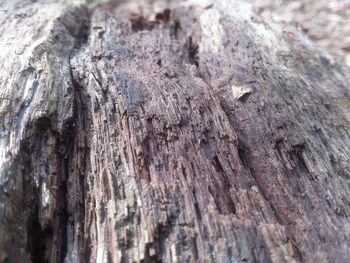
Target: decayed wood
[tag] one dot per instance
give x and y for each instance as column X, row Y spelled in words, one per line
column 182, row 132
column 36, row 113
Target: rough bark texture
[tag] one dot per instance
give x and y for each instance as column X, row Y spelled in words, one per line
column 326, row 22
column 175, row 132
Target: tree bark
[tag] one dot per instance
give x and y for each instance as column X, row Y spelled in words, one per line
column 183, row 131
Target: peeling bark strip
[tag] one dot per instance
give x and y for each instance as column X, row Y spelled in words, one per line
column 184, row 132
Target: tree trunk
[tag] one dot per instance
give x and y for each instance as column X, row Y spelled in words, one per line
column 169, row 132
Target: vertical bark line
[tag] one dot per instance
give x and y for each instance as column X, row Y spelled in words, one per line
column 77, row 163
column 66, row 241
column 37, row 129
column 62, row 221
column 77, row 173
column 244, row 155
column 45, row 242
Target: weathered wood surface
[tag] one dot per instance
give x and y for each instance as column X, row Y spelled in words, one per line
column 134, row 132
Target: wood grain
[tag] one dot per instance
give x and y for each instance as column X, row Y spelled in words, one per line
column 183, row 132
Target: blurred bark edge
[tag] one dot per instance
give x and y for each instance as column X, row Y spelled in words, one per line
column 183, row 131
